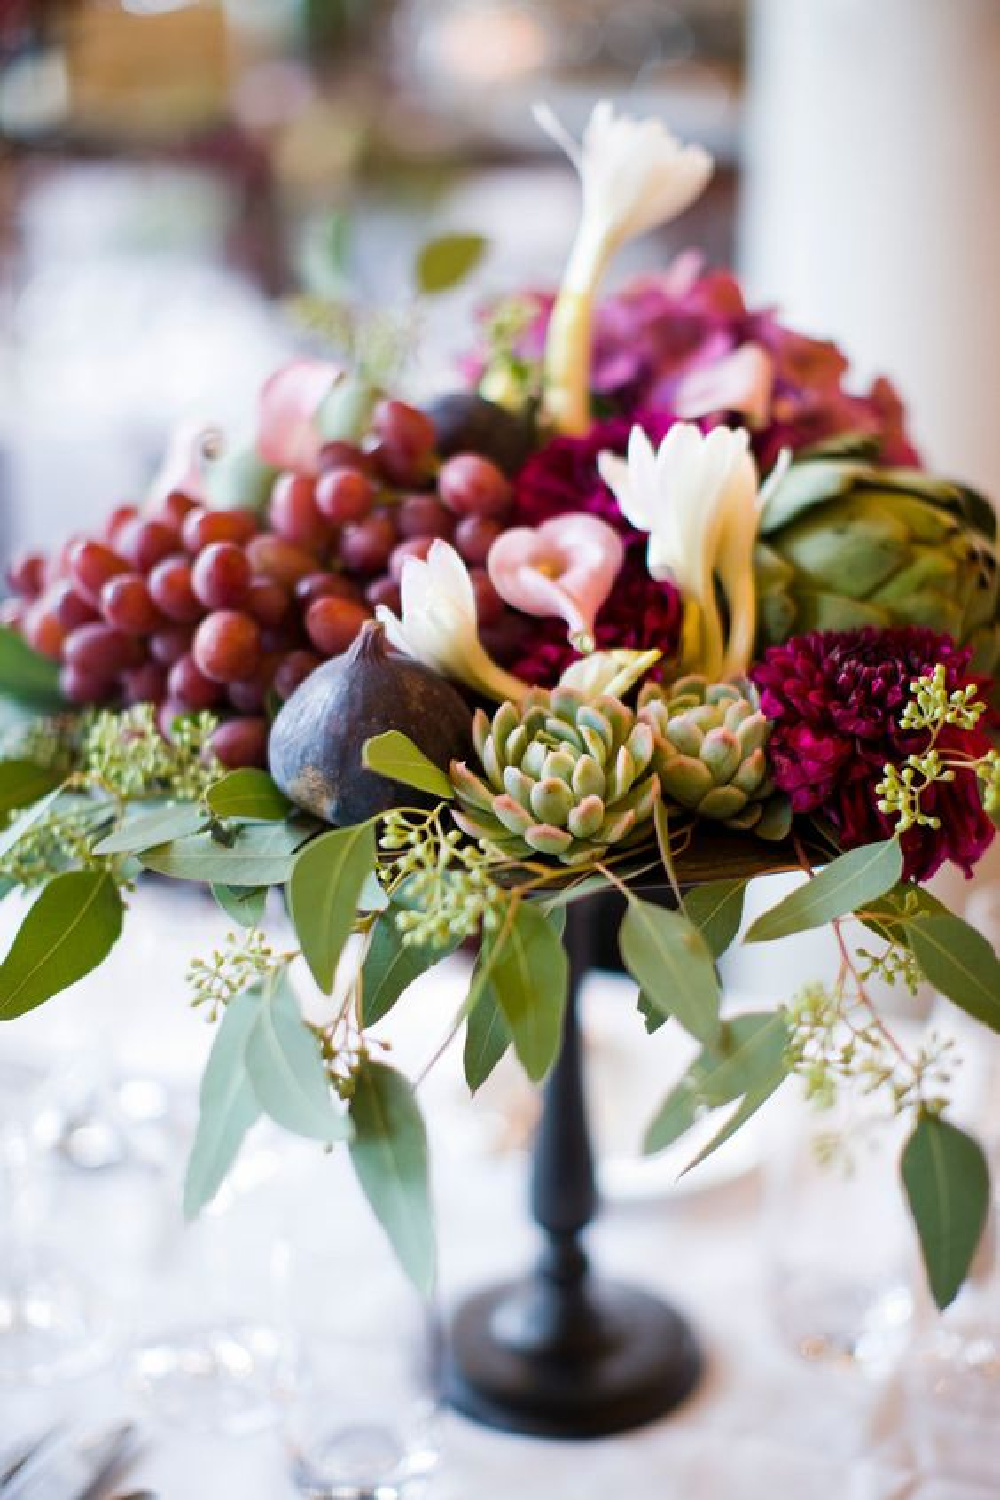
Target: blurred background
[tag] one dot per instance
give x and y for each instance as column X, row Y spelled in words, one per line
column 170, row 171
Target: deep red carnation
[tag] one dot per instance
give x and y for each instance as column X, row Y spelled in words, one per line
column 835, row 699
column 640, row 614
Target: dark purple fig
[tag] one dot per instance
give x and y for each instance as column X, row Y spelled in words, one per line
column 318, row 737
column 467, row 423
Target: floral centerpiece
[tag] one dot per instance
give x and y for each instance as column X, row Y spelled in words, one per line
column 652, row 601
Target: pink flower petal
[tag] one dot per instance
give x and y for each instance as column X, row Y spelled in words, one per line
column 740, row 382
column 565, row 568
column 286, row 427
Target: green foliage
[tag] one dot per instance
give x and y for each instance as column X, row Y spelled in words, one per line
column 445, row 262
column 126, row 754
column 245, row 962
column 248, row 794
column 846, row 885
column 716, row 910
column 395, row 756
column 392, row 965
column 528, row 975
column 672, row 964
column 70, row 929
column 323, row 891
column 286, row 1068
column 149, row 827
column 26, row 676
column 958, row 961
column 487, row 1037
column 245, row 904
column 227, row 1105
column 23, row 782
column 258, row 854
column 947, row 1183
column 238, row 479
column 442, row 883
column 389, row 1152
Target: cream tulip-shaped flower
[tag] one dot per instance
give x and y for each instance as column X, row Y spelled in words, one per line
column 634, row 175
column 439, row 626
column 697, row 497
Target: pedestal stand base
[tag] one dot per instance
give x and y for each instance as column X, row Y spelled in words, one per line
column 637, row 1361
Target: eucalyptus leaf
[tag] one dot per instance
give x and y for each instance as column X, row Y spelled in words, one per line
column 529, row 975
column 747, row 1108
column 675, row 1116
column 151, row 827
column 261, row 854
column 445, row 262
column 389, row 1153
column 286, row 1071
column 248, row 793
column 246, row 904
column 947, row 1182
column 227, row 1105
column 652, row 1015
column 843, row 886
column 391, row 966
column 239, row 479
column 26, row 676
column 323, row 891
column 23, row 824
column 960, row 962
column 671, row 963
column 70, row 929
column 23, row 782
column 395, row 756
column 716, row 910
column 487, row 1038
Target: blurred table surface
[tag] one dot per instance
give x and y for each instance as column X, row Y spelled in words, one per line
column 764, row 1424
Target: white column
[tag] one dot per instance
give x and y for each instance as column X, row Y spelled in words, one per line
column 872, row 200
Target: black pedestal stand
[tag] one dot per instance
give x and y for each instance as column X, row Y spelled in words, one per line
column 564, row 1354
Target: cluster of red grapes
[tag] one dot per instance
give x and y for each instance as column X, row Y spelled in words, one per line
column 194, row 609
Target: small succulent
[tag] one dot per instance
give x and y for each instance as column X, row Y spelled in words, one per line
column 711, row 753
column 562, row 775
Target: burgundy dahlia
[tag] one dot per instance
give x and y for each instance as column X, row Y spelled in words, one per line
column 836, row 699
column 641, row 614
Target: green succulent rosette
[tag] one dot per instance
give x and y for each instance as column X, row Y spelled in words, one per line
column 843, row 543
column 562, row 775
column 710, row 753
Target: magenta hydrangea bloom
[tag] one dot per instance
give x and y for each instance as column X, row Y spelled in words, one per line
column 640, row 613
column 835, row 699
column 659, row 336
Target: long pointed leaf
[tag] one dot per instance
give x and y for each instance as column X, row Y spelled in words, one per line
column 529, row 976
column 670, row 961
column 227, row 1105
column 285, row 1068
column 389, row 1152
column 842, row 887
column 323, row 893
column 960, row 962
column 947, row 1183
column 69, row 931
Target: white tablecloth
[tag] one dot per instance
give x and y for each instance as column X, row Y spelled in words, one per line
column 764, row 1423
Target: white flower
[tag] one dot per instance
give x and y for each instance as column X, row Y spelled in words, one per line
column 634, row 174
column 439, row 626
column 697, row 497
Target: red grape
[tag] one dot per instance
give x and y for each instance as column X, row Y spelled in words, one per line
column 121, row 516
column 204, row 526
column 241, row 742
column 174, row 509
column 43, row 632
column 188, row 686
column 332, row 624
column 417, row 546
column 78, row 686
column 101, row 651
column 69, row 607
column 341, row 454
column 385, row 591
column 472, row 486
column 145, row 684
column 145, row 543
column 221, row 576
column 424, row 515
column 293, row 670
column 26, row 574
column 171, row 590
column 344, row 495
column 365, row 545
column 227, row 646
column 248, row 697
column 475, row 535
column 489, row 606
column 294, row 514
column 326, row 586
column 268, row 602
column 283, row 562
column 126, row 604
column 170, row 644
column 406, row 440
column 90, row 565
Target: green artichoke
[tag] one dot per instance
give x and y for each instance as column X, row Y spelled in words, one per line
column 844, row 543
column 565, row 775
column 711, row 753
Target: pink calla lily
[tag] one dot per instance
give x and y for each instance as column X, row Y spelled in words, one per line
column 565, row 568
column 287, row 433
